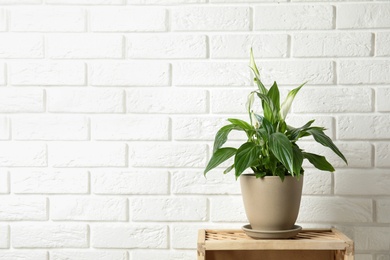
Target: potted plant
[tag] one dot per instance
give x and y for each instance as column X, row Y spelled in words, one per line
column 272, row 192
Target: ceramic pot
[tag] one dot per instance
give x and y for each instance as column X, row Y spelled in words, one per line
column 271, row 204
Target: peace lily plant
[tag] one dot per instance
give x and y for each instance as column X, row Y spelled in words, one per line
column 271, row 147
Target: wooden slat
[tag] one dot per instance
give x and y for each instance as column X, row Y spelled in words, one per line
column 305, row 240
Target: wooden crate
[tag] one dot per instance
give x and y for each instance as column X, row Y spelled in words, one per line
column 329, row 244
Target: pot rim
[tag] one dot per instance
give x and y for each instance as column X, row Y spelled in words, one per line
column 253, row 175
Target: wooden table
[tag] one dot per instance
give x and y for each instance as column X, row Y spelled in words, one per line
column 310, row 244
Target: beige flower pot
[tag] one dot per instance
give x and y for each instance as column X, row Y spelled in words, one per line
column 271, row 204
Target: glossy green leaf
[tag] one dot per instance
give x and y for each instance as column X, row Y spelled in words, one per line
column 222, row 134
column 285, row 107
column 268, row 126
column 228, row 169
column 325, row 140
column 319, row 162
column 246, row 156
column 274, row 95
column 281, row 147
column 297, row 160
column 219, row 157
column 268, row 107
column 295, row 133
column 240, row 123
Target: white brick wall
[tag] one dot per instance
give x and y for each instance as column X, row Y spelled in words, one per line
column 108, row 109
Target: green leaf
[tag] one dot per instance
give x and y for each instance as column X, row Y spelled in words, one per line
column 228, row 169
column 274, row 95
column 323, row 139
column 219, row 157
column 281, row 147
column 268, row 126
column 319, row 162
column 222, row 134
column 253, row 67
column 240, row 123
column 259, row 118
column 268, row 107
column 246, row 156
column 295, row 133
column 298, row 160
column 288, row 101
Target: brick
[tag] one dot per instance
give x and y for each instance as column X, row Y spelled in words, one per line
column 196, row 128
column 293, row 17
column 50, row 127
column 163, row 254
column 21, row 46
column 22, row 208
column 16, row 100
column 47, row 19
column 194, row 182
column 85, row 100
column 362, row 182
column 168, row 209
column 317, row 182
column 211, row 73
column 87, row 154
column 49, row 235
column 364, row 72
column 166, row 100
column 363, row 16
column 333, row 100
column 4, row 128
column 128, row 19
column 129, row 236
column 4, row 238
column 88, row 255
column 382, row 42
column 167, row 155
column 129, row 74
column 88, row 209
column 296, row 72
column 14, row 2
column 84, row 46
column 166, row 46
column 358, row 154
column 129, row 182
column 363, row 126
column 238, row 46
column 16, row 154
column 85, row 2
column 166, row 2
column 227, row 101
column 3, row 20
column 128, row 127
column 382, row 154
column 227, row 209
column 382, row 99
column 332, row 44
column 2, row 74
column 47, row 73
column 247, row 1
column 372, row 238
column 23, row 255
column 4, row 181
column 210, row 18
column 383, row 210
column 335, row 209
column 49, row 181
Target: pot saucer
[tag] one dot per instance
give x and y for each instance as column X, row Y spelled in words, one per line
column 268, row 234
